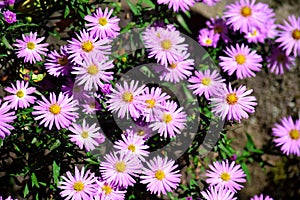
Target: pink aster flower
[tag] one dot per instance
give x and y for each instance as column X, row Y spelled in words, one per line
column 106, row 88
column 8, row 198
column 142, row 131
column 120, row 168
column 213, row 193
column 10, row 17
column 85, row 135
column 261, row 197
column 21, row 95
column 161, row 175
column 91, row 105
column 207, row 83
column 278, row 61
column 183, row 5
column 289, row 36
column 127, row 100
column 219, row 26
column 82, row 186
column 106, row 191
column 101, row 24
column 6, row 117
column 93, row 71
column 287, row 135
column 58, row 64
column 171, row 121
column 241, row 60
column 208, row 38
column 59, row 111
column 86, row 44
column 233, row 104
column 255, row 36
column 225, row 175
column 30, row 48
column 210, row 2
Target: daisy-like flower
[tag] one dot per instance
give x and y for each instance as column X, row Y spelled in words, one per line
column 161, row 175
column 241, row 60
column 8, row 198
column 93, row 71
column 208, row 38
column 255, row 36
column 101, row 24
column 244, row 15
column 59, row 111
column 10, row 17
column 133, row 145
column 233, row 104
column 287, row 135
column 261, row 197
column 142, row 131
column 210, row 2
column 206, row 82
column 31, row 47
column 278, row 61
column 20, row 95
column 108, row 191
column 289, row 35
column 91, row 106
column 127, row 100
column 85, row 135
column 225, row 175
column 166, row 46
column 183, row 5
column 120, row 168
column 79, row 187
column 6, row 117
column 87, row 44
column 58, row 64
column 106, row 88
column 219, row 26
column 212, row 193
column 171, row 121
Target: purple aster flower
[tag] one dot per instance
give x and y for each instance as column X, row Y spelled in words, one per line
column 85, row 135
column 213, row 193
column 183, row 5
column 58, row 64
column 59, row 111
column 30, row 48
column 6, row 117
column 86, row 44
column 138, row 130
column 106, row 88
column 10, row 17
column 127, row 100
column 4, row 3
column 278, row 61
column 261, row 197
column 161, row 175
column 287, row 135
column 108, row 191
column 255, row 36
column 101, row 24
column 226, row 175
column 207, row 83
column 210, row 2
column 219, row 26
column 208, row 38
column 79, row 187
column 91, row 105
column 21, row 95
column 72, row 88
column 269, row 29
column 241, row 60
column 171, row 121
column 233, row 104
column 289, row 36
column 8, row 198
column 120, row 168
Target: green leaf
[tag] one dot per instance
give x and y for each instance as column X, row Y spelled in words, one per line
column 26, row 191
column 34, row 180
column 133, row 8
column 55, row 145
column 56, row 172
column 183, row 23
column 6, row 43
column 67, row 11
column 20, row 25
column 247, row 172
column 150, row 3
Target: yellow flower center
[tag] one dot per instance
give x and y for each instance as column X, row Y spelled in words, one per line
column 107, row 189
column 85, row 134
column 92, row 105
column 92, row 70
column 166, row 44
column 30, row 45
column 167, row 118
column 240, row 59
column 54, row 109
column 63, row 61
column 124, row 59
column 160, row 175
column 131, row 148
column 120, row 166
column 281, row 58
column 208, row 41
column 254, row 33
column 151, row 103
column 140, row 132
column 294, row 134
column 103, row 21
column 20, row 93
column 87, row 46
column 231, row 99
column 296, row 34
column 173, row 66
column 206, row 81
column 78, row 186
column 225, row 176
column 246, row 11
column 127, row 97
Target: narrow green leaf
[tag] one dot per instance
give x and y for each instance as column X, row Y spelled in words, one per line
column 26, row 191
column 133, row 8
column 56, row 172
column 34, row 180
column 247, row 172
column 149, row 3
column 6, row 43
column 183, row 23
column 67, row 11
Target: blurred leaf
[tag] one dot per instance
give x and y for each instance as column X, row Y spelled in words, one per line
column 56, row 172
column 34, row 180
column 183, row 23
column 20, row 25
column 6, row 43
column 150, row 3
column 26, row 191
column 246, row 170
column 133, row 8
column 55, row 145
column 67, row 11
